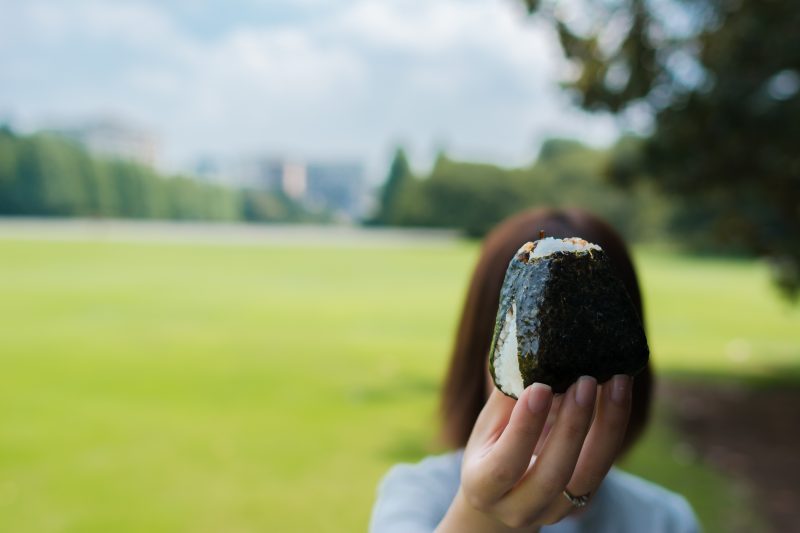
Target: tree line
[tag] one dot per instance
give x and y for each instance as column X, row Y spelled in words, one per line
column 721, row 80
column 473, row 197
column 48, row 175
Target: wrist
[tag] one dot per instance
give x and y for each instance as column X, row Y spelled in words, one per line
column 464, row 518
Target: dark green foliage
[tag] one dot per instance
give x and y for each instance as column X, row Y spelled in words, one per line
column 47, row 175
column 10, row 193
column 725, row 95
column 261, row 206
column 471, row 197
column 574, row 318
column 398, row 179
column 474, row 197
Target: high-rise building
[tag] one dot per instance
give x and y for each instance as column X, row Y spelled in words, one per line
column 335, row 187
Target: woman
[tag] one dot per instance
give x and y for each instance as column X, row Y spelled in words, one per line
column 531, row 464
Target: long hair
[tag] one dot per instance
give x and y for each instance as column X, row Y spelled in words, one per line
column 464, row 392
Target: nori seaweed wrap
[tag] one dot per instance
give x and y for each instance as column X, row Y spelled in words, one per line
column 563, row 313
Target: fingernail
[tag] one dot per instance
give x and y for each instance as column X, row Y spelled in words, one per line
column 539, row 397
column 620, row 388
column 585, row 391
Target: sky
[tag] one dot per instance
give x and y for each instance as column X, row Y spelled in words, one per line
column 304, row 79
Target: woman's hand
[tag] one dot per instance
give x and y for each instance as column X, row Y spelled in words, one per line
column 523, row 454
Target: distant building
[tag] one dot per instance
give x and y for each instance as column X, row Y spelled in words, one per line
column 114, row 138
column 337, row 187
column 294, row 181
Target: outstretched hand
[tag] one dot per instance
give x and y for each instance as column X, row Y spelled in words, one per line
column 522, row 455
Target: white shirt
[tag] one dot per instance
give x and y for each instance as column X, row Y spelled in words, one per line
column 413, row 498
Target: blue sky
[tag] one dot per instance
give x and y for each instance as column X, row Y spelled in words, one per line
column 329, row 79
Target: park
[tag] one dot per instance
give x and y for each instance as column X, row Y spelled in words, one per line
column 250, row 254
column 208, row 387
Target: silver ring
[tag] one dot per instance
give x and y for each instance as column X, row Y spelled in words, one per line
column 577, row 501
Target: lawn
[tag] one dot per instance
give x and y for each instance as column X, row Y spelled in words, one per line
column 208, row 388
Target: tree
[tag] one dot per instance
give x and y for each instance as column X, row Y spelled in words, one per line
column 721, row 79
column 399, row 176
column 47, row 175
column 474, row 197
column 469, row 196
column 10, row 202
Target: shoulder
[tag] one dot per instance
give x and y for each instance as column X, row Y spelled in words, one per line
column 415, row 497
column 636, row 504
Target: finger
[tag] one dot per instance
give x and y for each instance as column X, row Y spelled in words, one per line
column 605, row 436
column 601, row 446
column 554, row 467
column 492, row 419
column 511, row 455
column 555, row 408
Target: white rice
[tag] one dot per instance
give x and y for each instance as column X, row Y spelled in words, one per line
column 550, row 245
column 506, row 363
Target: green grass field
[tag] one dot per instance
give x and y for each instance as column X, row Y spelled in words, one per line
column 223, row 388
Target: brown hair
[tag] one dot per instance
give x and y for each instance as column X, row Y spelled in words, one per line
column 464, row 392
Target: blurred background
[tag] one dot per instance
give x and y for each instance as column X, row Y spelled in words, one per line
column 235, row 239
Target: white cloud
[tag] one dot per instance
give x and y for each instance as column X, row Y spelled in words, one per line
column 475, row 75
column 58, row 22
